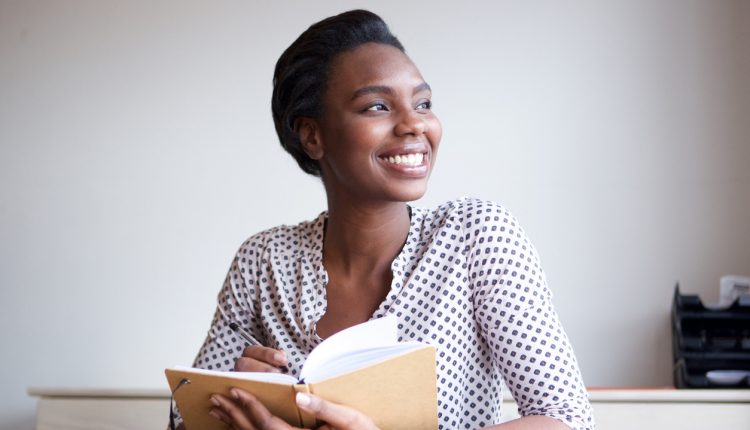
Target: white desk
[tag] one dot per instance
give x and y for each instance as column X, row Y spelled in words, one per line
column 96, row 409
column 614, row 409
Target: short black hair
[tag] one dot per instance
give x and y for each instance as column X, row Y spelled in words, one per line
column 301, row 74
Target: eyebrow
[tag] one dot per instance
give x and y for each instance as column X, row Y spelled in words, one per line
column 382, row 89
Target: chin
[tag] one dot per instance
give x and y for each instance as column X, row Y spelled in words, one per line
column 410, row 194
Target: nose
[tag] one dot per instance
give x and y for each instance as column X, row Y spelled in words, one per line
column 412, row 123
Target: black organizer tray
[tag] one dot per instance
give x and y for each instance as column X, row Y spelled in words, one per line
column 705, row 339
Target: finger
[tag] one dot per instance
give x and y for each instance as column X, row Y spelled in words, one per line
column 234, row 415
column 265, row 354
column 245, row 364
column 220, row 415
column 257, row 411
column 340, row 417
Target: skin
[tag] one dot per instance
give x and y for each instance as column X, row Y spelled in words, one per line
column 376, row 105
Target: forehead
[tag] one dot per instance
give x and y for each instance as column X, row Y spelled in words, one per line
column 372, row 63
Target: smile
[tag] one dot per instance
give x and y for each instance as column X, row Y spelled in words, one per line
column 414, row 159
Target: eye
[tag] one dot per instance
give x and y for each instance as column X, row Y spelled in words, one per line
column 376, row 107
column 425, row 105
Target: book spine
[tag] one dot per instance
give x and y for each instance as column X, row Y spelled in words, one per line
column 306, row 420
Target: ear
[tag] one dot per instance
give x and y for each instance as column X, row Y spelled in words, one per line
column 309, row 136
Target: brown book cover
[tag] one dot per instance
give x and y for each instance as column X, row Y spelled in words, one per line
column 397, row 392
column 363, row 366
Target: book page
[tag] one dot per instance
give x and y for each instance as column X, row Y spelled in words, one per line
column 371, row 334
column 278, row 378
column 342, row 364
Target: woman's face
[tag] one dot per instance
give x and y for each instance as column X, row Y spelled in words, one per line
column 378, row 134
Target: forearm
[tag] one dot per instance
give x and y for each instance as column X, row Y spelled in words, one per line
column 531, row 422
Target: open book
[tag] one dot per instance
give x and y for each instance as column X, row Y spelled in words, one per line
column 363, row 367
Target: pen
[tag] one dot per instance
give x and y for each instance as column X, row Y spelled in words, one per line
column 251, row 340
column 245, row 335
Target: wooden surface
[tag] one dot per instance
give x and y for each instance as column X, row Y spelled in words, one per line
column 614, row 409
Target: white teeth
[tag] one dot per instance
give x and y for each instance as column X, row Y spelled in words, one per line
column 406, row 159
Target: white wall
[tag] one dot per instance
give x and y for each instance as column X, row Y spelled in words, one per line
column 137, row 151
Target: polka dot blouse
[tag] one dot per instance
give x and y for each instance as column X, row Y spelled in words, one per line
column 467, row 281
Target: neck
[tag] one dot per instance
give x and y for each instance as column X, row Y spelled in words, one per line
column 364, row 238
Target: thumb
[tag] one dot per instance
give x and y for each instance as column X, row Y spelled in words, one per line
column 337, row 416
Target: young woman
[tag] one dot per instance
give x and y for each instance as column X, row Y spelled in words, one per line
column 351, row 107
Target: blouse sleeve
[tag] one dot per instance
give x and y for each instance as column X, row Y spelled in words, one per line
column 237, row 303
column 516, row 317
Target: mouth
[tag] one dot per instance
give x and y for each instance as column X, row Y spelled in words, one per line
column 413, row 159
column 407, row 163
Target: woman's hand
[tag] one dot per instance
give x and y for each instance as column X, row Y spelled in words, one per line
column 244, row 412
column 261, row 359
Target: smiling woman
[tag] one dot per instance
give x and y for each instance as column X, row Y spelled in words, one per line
column 351, row 107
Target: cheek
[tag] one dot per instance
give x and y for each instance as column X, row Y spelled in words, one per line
column 363, row 136
column 434, row 132
column 351, row 145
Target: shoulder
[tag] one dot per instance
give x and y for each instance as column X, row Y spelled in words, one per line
column 478, row 225
column 474, row 211
column 472, row 215
column 287, row 239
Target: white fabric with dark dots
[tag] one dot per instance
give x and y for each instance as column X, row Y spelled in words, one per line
column 467, row 281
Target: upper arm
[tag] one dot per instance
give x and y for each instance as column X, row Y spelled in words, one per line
column 513, row 308
column 237, row 302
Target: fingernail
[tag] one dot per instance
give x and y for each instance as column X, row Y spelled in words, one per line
column 280, row 357
column 235, row 395
column 215, row 401
column 303, row 399
column 214, row 414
